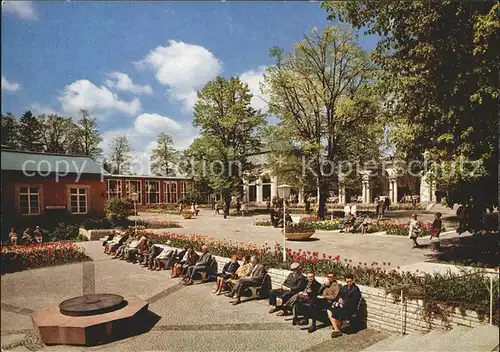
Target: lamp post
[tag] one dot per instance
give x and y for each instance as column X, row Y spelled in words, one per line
column 284, row 192
column 134, row 197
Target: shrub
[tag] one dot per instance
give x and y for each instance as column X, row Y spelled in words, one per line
column 118, row 210
column 63, row 232
column 325, row 225
column 299, row 228
column 263, row 222
column 158, row 224
column 17, row 258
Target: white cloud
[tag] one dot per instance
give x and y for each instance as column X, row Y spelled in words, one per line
column 121, row 81
column 83, row 94
column 39, row 109
column 254, row 78
column 23, row 9
column 9, row 86
column 142, row 136
column 183, row 68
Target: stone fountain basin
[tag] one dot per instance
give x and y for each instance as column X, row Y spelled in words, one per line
column 53, row 327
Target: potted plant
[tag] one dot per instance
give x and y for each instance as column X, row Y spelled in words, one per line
column 299, row 232
column 187, row 214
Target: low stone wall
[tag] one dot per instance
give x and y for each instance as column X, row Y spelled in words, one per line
column 382, row 312
column 95, row 235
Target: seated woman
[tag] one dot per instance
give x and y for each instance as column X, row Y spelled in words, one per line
column 366, row 225
column 244, row 270
column 114, row 244
column 13, row 237
column 177, row 258
column 349, row 222
column 27, row 239
column 229, row 268
column 162, row 258
column 144, row 253
column 120, row 250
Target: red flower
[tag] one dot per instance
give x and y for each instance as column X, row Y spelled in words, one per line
column 496, row 268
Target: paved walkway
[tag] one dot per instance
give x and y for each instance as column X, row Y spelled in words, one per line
column 190, row 318
column 396, row 250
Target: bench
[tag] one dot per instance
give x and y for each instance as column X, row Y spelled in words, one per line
column 355, row 320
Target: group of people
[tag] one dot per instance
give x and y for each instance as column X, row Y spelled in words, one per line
column 302, row 296
column 415, row 228
column 29, row 236
column 194, row 209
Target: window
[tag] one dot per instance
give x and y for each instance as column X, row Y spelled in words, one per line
column 252, row 193
column 152, row 192
column 78, row 200
column 134, row 186
column 114, row 189
column 183, row 190
column 266, row 188
column 170, row 192
column 29, row 200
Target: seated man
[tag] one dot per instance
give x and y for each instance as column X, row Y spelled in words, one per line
column 305, row 297
column 144, row 253
column 346, row 307
column 38, row 235
column 126, row 240
column 253, row 280
column 122, row 252
column 294, row 283
column 189, row 259
column 327, row 295
column 244, row 270
column 132, row 250
column 176, row 258
column 203, row 265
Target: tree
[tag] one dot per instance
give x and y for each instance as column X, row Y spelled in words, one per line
column 58, row 133
column 30, row 133
column 440, row 64
column 10, row 127
column 120, row 154
column 230, row 130
column 324, row 96
column 87, row 139
column 164, row 156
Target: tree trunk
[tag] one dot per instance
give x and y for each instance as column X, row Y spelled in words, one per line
column 227, row 202
column 322, row 202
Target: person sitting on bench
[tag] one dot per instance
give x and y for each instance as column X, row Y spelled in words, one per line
column 346, row 307
column 253, row 280
column 294, row 283
column 190, row 258
column 228, row 270
column 204, row 264
column 133, row 249
column 327, row 295
column 307, row 297
column 120, row 250
column 175, row 259
column 244, row 270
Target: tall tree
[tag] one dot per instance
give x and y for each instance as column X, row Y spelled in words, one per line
column 30, row 133
column 230, row 130
column 164, row 156
column 119, row 155
column 10, row 131
column 440, row 65
column 58, row 133
column 87, row 135
column 323, row 94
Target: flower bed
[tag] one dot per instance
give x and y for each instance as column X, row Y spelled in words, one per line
column 263, row 222
column 17, row 258
column 158, row 224
column 438, row 290
column 325, row 225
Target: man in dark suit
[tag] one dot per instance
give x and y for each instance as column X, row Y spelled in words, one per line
column 294, row 283
column 255, row 279
column 203, row 265
column 306, row 297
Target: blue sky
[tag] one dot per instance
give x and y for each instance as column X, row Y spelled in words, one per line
column 137, row 65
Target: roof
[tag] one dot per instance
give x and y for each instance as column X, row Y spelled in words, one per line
column 46, row 162
column 111, row 176
column 258, row 159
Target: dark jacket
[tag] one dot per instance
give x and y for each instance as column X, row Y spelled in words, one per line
column 230, row 268
column 180, row 255
column 350, row 297
column 192, row 259
column 296, row 282
column 205, row 259
column 313, row 290
column 256, row 276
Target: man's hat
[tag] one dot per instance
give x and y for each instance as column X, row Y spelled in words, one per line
column 294, row 266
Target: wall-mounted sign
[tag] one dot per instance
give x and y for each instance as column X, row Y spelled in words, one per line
column 55, row 207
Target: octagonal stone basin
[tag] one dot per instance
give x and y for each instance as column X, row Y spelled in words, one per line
column 54, row 327
column 298, row 236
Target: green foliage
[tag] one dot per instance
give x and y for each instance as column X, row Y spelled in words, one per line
column 439, row 73
column 164, row 156
column 30, row 133
column 87, row 136
column 10, row 133
column 120, row 154
column 118, row 210
column 324, row 96
column 58, row 133
column 230, row 130
column 63, row 232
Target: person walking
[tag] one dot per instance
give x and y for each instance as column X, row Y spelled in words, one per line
column 462, row 219
column 437, row 225
column 414, row 230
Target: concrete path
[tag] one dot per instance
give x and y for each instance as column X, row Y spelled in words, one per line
column 189, row 318
column 396, row 250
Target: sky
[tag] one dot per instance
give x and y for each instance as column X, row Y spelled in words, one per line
column 136, row 66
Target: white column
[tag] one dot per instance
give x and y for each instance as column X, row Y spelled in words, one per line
column 301, row 196
column 368, row 193
column 395, row 191
column 274, row 186
column 258, row 188
column 391, row 191
column 245, row 191
column 363, row 191
column 341, row 194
